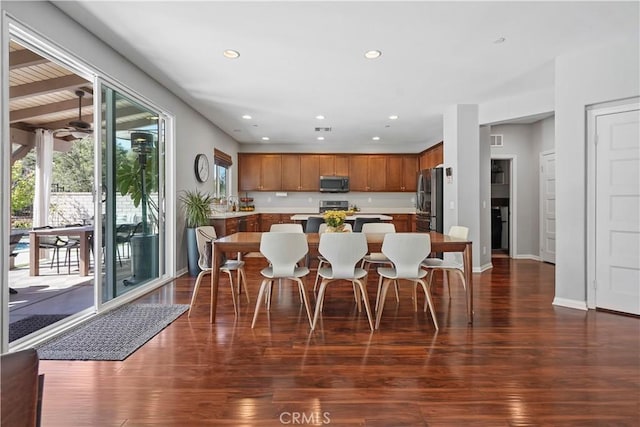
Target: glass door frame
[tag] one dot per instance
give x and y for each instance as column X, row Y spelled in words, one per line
column 166, row 190
column 13, row 29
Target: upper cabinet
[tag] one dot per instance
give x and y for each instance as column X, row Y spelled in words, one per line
column 301, row 172
column 333, row 164
column 432, row 157
column 368, row 172
column 401, row 172
column 259, row 172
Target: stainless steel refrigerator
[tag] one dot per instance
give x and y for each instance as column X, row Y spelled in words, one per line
column 429, row 200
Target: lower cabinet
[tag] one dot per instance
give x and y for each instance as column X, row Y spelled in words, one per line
column 227, row 226
column 266, row 220
column 404, row 223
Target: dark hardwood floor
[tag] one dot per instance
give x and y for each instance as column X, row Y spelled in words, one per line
column 523, row 362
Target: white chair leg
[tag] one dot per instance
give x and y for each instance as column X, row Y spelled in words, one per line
column 365, row 298
column 305, row 299
column 427, row 295
column 315, row 283
column 319, row 303
column 356, row 295
column 263, row 286
column 383, row 296
column 233, row 292
column 378, row 292
column 244, row 284
column 196, row 288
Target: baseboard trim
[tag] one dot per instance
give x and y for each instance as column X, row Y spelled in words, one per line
column 482, row 268
column 570, row 303
column 528, row 256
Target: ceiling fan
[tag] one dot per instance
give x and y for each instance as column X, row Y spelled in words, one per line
column 77, row 128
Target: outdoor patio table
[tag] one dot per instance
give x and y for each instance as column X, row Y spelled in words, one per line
column 84, row 234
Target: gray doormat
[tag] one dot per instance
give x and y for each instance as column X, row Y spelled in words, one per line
column 23, row 327
column 113, row 335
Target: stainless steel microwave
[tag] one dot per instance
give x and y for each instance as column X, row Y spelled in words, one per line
column 334, row 184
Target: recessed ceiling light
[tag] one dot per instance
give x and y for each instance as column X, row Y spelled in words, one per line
column 320, row 117
column 393, row 117
column 246, row 117
column 376, row 138
column 499, row 40
column 265, row 138
column 231, row 54
column 321, row 138
column 372, row 54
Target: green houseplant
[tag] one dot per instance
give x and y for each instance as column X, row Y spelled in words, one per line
column 197, row 210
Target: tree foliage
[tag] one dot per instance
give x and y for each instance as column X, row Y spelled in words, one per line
column 73, row 170
column 23, row 186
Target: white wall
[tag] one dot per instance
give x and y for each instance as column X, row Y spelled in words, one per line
column 485, row 196
column 543, row 134
column 194, row 134
column 595, row 75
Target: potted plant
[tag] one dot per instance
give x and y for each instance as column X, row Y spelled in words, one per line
column 197, row 210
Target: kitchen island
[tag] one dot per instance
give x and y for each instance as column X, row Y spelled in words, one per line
column 304, row 217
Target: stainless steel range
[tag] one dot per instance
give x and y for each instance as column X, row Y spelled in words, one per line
column 330, row 205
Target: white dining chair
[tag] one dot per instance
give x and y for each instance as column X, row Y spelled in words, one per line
column 378, row 258
column 283, row 251
column 343, row 251
column 406, row 251
column 452, row 263
column 205, row 235
column 322, row 260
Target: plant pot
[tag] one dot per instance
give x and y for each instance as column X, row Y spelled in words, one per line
column 192, row 252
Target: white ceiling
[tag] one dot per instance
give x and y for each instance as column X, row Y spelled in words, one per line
column 301, row 59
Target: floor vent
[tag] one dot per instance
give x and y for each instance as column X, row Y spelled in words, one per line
column 323, row 129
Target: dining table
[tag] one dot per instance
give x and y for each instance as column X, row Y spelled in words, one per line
column 245, row 242
column 83, row 233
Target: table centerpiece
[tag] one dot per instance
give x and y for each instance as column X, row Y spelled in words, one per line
column 335, row 220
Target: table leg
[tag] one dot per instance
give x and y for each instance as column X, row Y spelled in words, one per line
column 468, row 277
column 215, row 276
column 34, row 254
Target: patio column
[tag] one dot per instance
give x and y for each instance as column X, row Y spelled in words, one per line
column 44, row 165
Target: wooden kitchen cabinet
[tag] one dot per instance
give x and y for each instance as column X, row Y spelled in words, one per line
column 401, row 172
column 259, row 172
column 403, row 222
column 333, row 165
column 266, row 220
column 252, row 223
column 432, row 157
column 225, row 226
column 367, row 172
column 358, row 172
column 300, row 172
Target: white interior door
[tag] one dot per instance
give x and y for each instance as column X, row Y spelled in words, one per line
column 548, row 206
column 618, row 212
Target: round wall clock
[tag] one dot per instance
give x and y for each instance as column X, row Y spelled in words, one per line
column 201, row 167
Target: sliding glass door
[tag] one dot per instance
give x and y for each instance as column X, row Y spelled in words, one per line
column 132, row 225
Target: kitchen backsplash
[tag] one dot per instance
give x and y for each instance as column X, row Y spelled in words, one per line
column 309, row 202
